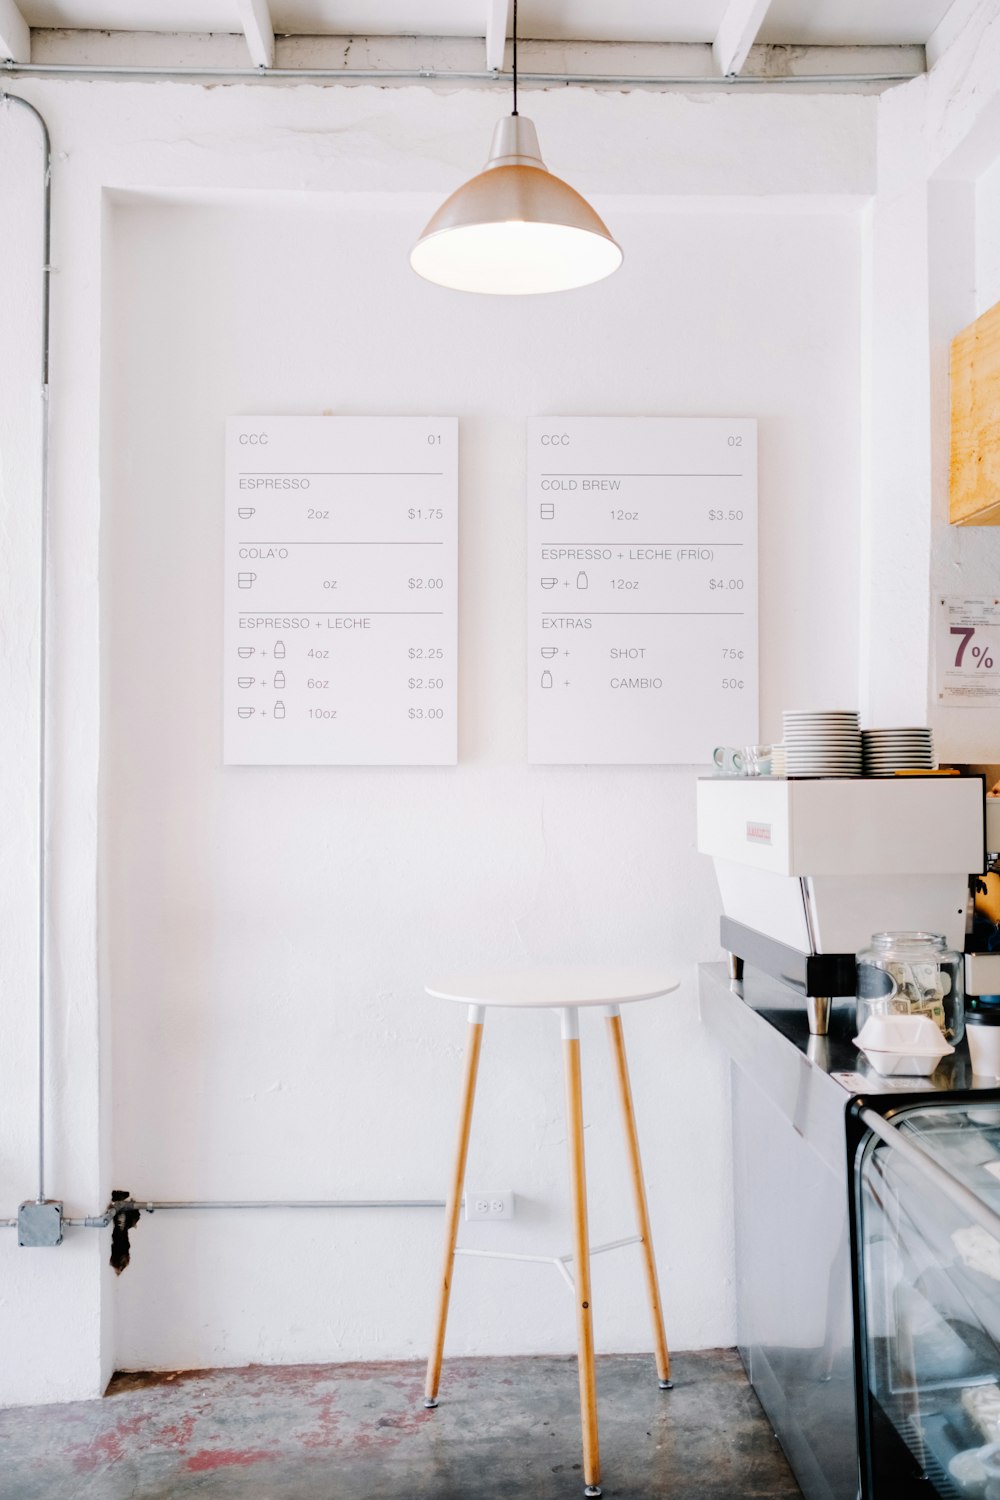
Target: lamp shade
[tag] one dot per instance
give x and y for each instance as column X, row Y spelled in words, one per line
column 515, row 229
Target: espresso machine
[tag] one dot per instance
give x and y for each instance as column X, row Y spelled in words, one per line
column 809, row 868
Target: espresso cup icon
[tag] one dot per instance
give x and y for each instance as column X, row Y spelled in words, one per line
column 549, row 583
column 245, row 682
column 245, row 711
column 245, row 651
column 245, row 512
column 246, row 580
column 549, row 651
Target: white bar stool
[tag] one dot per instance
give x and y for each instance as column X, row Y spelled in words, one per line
column 565, row 990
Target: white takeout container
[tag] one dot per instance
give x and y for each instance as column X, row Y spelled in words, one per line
column 902, row 1044
column 914, row 1064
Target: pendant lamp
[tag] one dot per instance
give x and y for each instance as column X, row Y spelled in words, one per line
column 515, row 229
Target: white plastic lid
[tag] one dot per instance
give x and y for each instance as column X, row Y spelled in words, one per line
column 917, row 1036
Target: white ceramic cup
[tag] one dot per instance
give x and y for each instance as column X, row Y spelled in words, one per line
column 983, row 1031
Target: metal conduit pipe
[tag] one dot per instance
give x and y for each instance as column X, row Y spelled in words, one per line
column 152, row 1206
column 441, row 75
column 99, row 1222
column 42, row 971
column 243, row 75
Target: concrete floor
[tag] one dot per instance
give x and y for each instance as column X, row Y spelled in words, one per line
column 505, row 1427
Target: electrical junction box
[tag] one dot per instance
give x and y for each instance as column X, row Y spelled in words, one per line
column 40, row 1224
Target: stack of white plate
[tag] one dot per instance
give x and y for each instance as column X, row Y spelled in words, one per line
column 887, row 751
column 779, row 761
column 822, row 742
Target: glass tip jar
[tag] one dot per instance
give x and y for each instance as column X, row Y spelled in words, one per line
column 913, row 974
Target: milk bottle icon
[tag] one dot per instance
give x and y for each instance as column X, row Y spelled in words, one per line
column 279, row 681
column 546, row 678
column 582, row 581
column 279, row 650
column 279, row 709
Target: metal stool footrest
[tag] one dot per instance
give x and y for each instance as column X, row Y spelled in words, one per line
column 558, row 1261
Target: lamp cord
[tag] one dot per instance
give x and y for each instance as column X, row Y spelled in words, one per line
column 515, row 57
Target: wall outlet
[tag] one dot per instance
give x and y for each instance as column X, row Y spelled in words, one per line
column 495, row 1204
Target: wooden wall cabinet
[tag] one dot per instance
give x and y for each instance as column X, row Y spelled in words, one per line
column 974, row 491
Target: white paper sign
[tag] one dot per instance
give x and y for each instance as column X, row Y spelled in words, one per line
column 968, row 652
column 876, row 1083
column 340, row 637
column 642, row 588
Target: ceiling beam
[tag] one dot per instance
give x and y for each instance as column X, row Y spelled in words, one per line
column 497, row 15
column 736, row 34
column 653, row 65
column 255, row 19
column 15, row 37
column 947, row 30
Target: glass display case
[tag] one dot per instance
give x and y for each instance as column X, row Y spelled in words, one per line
column 927, row 1281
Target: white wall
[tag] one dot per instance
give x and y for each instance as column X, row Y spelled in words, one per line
column 265, row 933
column 269, row 930
column 987, row 215
column 932, row 268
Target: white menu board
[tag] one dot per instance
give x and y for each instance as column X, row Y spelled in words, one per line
column 642, row 588
column 340, row 638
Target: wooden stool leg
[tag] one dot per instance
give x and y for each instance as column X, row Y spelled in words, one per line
column 473, row 1044
column 617, row 1038
column 581, row 1254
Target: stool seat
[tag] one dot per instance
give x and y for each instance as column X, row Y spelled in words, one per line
column 553, row 987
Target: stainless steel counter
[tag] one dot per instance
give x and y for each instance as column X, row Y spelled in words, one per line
column 733, row 1012
column 768, row 1040
column 793, row 1261
column 795, row 1313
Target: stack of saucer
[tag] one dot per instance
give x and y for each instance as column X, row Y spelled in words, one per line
column 887, row 751
column 779, row 760
column 822, row 742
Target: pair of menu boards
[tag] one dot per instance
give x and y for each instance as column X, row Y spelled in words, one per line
column 341, row 590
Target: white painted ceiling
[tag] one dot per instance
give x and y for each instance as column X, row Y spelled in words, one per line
column 796, row 22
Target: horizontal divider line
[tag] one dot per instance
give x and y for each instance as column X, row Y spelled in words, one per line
column 340, row 473
column 340, row 613
column 554, row 614
column 319, row 543
column 618, row 542
column 624, row 474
